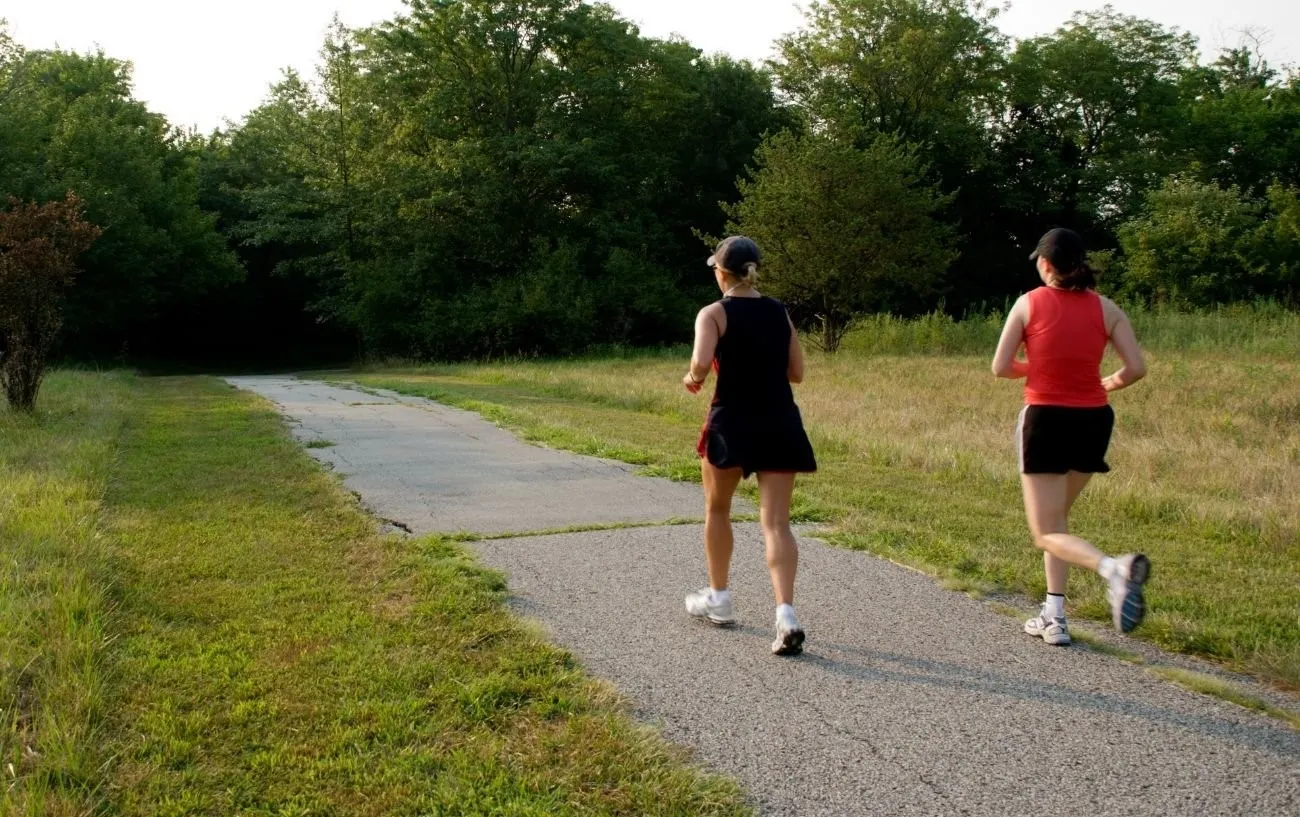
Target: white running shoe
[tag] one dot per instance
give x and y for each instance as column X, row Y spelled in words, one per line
column 789, row 635
column 1052, row 630
column 703, row 604
column 1127, row 606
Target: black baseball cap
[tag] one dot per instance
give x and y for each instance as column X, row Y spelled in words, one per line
column 1063, row 247
column 734, row 253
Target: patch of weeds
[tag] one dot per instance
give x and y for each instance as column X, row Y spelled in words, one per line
column 1209, row 685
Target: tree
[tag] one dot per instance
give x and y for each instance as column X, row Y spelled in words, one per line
column 844, row 231
column 1241, row 123
column 68, row 122
column 932, row 73
column 1198, row 244
column 39, row 247
column 1099, row 100
column 519, row 176
column 925, row 70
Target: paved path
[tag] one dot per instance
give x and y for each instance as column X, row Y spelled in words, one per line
column 910, row 700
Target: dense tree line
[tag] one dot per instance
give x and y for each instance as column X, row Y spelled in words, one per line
column 486, row 177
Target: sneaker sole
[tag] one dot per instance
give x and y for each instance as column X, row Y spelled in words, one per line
column 790, row 643
column 1133, row 609
column 716, row 622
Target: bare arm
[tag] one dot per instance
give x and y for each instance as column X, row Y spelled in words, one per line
column 707, row 332
column 1005, row 363
column 1124, row 339
column 795, row 370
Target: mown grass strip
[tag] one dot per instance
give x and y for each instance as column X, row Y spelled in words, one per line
column 1218, row 688
column 276, row 656
column 55, row 570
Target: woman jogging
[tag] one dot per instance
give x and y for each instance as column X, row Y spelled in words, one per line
column 1065, row 427
column 753, row 427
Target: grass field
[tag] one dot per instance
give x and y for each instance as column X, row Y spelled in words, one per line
column 199, row 621
column 918, row 464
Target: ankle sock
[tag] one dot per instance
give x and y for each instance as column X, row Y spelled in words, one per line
column 1054, row 606
column 1107, row 568
column 785, row 617
column 719, row 596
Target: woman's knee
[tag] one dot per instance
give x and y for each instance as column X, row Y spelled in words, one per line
column 717, row 504
column 774, row 524
column 1043, row 529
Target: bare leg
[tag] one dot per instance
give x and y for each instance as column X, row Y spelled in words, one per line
column 1058, row 570
column 775, row 491
column 1048, row 498
column 719, row 487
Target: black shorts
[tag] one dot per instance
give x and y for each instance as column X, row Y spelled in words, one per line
column 1057, row 439
column 755, row 444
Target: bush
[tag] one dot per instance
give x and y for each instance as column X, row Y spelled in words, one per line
column 39, row 246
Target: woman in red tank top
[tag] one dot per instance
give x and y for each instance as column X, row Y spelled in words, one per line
column 1064, row 429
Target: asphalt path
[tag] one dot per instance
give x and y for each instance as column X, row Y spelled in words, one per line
column 909, row 699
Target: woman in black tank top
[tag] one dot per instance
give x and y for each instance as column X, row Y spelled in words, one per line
column 753, row 427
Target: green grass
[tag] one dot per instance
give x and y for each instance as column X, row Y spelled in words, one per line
column 250, row 645
column 918, row 465
column 1209, row 685
column 1258, row 330
column 1097, row 645
column 55, row 572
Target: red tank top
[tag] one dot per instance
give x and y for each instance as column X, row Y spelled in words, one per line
column 1065, row 341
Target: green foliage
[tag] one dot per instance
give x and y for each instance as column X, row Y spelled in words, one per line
column 1241, row 125
column 895, row 66
column 1198, row 244
column 1093, row 106
column 68, row 122
column 486, row 178
column 39, row 248
column 845, row 231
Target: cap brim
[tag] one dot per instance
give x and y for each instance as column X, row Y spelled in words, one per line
column 1033, row 256
column 712, row 259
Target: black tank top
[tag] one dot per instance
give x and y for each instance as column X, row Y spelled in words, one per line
column 753, row 359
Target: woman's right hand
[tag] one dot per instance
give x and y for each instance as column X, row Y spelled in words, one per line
column 692, row 385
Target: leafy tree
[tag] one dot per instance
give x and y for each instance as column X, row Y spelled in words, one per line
column 39, row 247
column 1241, row 123
column 932, row 73
column 845, row 231
column 79, row 129
column 926, row 70
column 1091, row 109
column 521, row 177
column 1198, row 244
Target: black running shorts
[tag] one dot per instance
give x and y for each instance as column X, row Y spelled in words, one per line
column 1057, row 439
column 774, row 444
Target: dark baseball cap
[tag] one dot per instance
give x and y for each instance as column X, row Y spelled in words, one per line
column 1064, row 248
column 734, row 253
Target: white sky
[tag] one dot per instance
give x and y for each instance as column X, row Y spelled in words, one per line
column 202, row 63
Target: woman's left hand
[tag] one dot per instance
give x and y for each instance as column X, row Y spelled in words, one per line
column 692, row 385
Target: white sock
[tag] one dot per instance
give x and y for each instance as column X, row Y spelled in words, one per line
column 785, row 617
column 1107, row 568
column 719, row 596
column 1054, row 607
